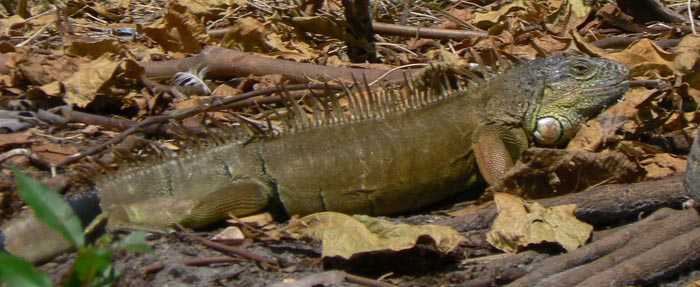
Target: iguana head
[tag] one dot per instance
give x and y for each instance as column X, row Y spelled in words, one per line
column 572, row 89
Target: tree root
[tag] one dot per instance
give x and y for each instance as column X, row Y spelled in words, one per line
column 225, row 62
column 664, row 240
column 639, row 253
column 601, row 205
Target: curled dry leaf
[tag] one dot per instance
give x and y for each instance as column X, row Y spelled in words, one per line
column 250, row 35
column 571, row 14
column 231, row 232
column 95, row 77
column 687, row 53
column 661, row 165
column 94, row 49
column 488, row 19
column 645, row 58
column 542, row 172
column 597, row 130
column 520, row 224
column 179, row 31
column 343, row 235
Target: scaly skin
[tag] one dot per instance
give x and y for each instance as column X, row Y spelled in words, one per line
column 400, row 162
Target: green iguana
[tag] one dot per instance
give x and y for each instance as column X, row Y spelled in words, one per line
column 388, row 156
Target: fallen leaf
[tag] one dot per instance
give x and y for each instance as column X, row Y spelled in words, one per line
column 569, row 15
column 520, row 224
column 543, row 172
column 488, row 19
column 13, row 139
column 96, row 48
column 663, row 164
column 95, row 77
column 343, row 235
column 257, row 220
column 231, row 232
column 179, row 31
column 644, row 56
column 247, row 34
column 687, row 53
column 44, row 69
column 624, row 113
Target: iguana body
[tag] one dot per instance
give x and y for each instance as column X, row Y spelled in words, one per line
column 393, row 159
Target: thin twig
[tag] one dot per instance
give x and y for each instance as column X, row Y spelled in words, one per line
column 367, row 281
column 35, row 35
column 189, row 262
column 690, row 18
column 230, row 249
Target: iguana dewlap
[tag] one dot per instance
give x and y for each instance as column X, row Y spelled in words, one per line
column 381, row 160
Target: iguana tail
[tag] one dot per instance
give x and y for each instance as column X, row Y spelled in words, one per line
column 34, row 241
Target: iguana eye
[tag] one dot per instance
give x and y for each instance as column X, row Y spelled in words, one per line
column 580, row 69
column 549, row 131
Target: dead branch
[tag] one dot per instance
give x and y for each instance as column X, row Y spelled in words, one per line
column 612, row 252
column 229, row 63
column 597, row 205
column 153, row 268
column 505, row 268
column 332, row 278
column 423, row 32
column 361, row 48
column 650, row 10
column 387, row 29
column 664, row 260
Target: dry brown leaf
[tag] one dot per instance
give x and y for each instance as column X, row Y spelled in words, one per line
column 83, row 86
column 604, row 126
column 231, row 232
column 686, row 61
column 13, row 25
column 53, row 152
column 663, row 164
column 247, row 35
column 53, row 89
column 201, row 7
column 13, row 139
column 569, row 15
column 179, row 31
column 343, row 235
column 520, row 224
column 646, row 58
column 579, row 44
column 687, row 53
column 488, row 19
column 257, row 220
column 542, row 172
column 250, row 35
column 95, row 49
column 44, row 69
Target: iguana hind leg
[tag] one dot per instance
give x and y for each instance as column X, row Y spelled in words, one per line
column 241, row 199
column 496, row 148
column 158, row 214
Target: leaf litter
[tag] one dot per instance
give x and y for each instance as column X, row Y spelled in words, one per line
column 91, row 60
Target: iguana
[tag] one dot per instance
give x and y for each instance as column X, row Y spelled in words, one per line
column 395, row 152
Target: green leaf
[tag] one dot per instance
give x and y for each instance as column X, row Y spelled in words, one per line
column 92, row 267
column 135, row 241
column 15, row 271
column 50, row 208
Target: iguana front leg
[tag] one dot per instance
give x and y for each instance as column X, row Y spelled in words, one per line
column 496, row 148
